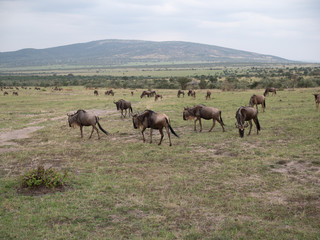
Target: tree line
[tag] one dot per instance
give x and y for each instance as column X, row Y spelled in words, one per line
column 227, row 79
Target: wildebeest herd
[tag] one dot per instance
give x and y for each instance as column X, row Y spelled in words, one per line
column 153, row 120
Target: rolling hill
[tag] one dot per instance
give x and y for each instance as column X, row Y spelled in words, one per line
column 118, row 52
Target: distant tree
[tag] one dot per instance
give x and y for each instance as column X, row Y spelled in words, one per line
column 183, row 81
column 203, row 84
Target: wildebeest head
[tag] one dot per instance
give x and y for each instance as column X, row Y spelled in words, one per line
column 73, row 119
column 117, row 104
column 189, row 113
column 240, row 122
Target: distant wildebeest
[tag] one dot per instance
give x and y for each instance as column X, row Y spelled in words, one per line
column 83, row 118
column 192, row 93
column 131, row 93
column 157, row 96
column 109, row 92
column 152, row 93
column 270, row 89
column 256, row 100
column 317, row 100
column 180, row 92
column 202, row 111
column 15, row 93
column 123, row 105
column 247, row 114
column 95, row 92
column 153, row 120
column 5, row 93
column 208, row 96
column 145, row 93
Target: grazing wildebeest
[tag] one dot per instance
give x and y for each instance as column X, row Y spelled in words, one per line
column 270, row 89
column 153, row 120
column 258, row 99
column 145, row 93
column 202, row 111
column 317, row 100
column 15, row 93
column 247, row 114
column 179, row 93
column 95, row 92
column 109, row 92
column 208, row 96
column 5, row 93
column 157, row 96
column 123, row 105
column 192, row 93
column 83, row 118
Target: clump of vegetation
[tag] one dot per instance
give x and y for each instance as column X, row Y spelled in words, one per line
column 42, row 177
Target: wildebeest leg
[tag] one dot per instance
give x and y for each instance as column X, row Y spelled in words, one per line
column 125, row 114
column 93, row 127
column 221, row 125
column 151, row 135
column 97, row 131
column 161, row 133
column 256, row 123
column 200, row 124
column 250, row 123
column 142, row 132
column 213, row 123
column 195, row 123
column 81, row 131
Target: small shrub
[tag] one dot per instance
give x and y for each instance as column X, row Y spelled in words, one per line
column 42, row 177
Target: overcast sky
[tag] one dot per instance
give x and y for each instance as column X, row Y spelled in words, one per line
column 284, row 28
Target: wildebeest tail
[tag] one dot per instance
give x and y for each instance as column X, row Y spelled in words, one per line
column 171, row 129
column 221, row 119
column 101, row 127
column 258, row 125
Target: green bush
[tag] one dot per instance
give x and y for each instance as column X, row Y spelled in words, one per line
column 42, row 177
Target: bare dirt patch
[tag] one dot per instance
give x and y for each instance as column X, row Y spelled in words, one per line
column 7, row 137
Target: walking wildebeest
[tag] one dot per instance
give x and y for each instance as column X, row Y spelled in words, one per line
column 247, row 114
column 317, row 100
column 123, row 105
column 145, row 93
column 192, row 93
column 157, row 96
column 258, row 99
column 270, row 89
column 208, row 96
column 202, row 111
column 109, row 92
column 153, row 120
column 95, row 92
column 83, row 118
column 179, row 93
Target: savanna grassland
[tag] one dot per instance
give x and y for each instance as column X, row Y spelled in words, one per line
column 208, row 185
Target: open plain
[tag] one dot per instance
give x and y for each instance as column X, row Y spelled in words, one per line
column 208, row 185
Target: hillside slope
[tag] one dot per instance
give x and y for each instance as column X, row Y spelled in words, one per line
column 111, row 52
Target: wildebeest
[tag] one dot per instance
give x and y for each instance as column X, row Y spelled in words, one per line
column 5, row 93
column 317, row 100
column 95, row 92
column 157, row 96
column 247, row 114
column 131, row 93
column 270, row 89
column 15, row 93
column 179, row 93
column 123, row 105
column 256, row 100
column 145, row 93
column 83, row 118
column 192, row 93
column 202, row 111
column 109, row 92
column 208, row 96
column 153, row 120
